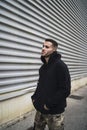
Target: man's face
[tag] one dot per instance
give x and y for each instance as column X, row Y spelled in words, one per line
column 47, row 49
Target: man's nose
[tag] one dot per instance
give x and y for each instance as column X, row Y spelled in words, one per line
column 43, row 48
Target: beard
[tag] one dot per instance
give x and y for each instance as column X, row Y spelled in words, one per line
column 47, row 56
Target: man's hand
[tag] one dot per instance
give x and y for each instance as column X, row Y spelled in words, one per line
column 45, row 107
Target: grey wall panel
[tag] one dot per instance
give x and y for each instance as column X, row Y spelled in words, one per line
column 24, row 26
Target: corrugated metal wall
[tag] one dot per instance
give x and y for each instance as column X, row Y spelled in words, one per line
column 24, row 26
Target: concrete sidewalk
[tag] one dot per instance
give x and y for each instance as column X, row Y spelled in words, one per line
column 75, row 114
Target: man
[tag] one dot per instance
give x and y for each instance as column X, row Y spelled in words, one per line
column 52, row 89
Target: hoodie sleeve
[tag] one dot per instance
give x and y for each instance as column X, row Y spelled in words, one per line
column 34, row 96
column 63, row 83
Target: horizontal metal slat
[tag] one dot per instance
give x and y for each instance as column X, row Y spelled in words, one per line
column 18, row 73
column 17, row 87
column 11, row 81
column 17, row 66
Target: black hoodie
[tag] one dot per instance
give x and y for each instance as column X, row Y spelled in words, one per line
column 53, row 86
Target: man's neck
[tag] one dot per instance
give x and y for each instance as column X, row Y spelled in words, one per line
column 47, row 59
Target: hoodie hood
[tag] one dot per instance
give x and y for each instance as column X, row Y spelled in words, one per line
column 55, row 55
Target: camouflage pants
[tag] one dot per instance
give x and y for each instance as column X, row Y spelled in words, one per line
column 54, row 122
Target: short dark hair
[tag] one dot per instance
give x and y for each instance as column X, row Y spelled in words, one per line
column 55, row 44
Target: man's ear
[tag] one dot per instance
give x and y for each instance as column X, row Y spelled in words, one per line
column 55, row 49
